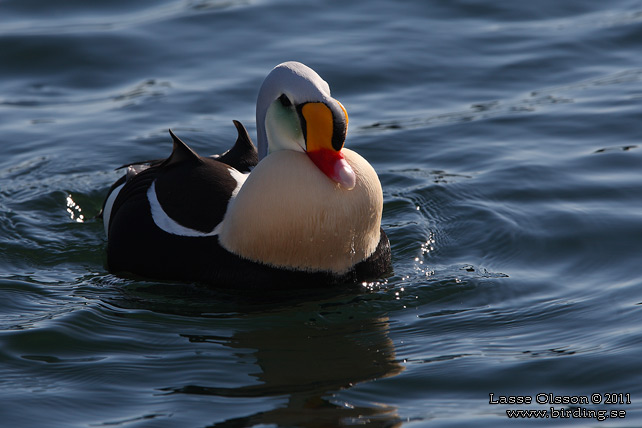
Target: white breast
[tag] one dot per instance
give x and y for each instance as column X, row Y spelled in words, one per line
column 289, row 214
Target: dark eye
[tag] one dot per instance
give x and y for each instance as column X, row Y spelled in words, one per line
column 285, row 101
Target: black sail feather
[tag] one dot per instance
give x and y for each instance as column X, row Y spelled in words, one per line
column 180, row 153
column 243, row 156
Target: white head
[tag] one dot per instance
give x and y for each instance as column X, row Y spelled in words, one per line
column 295, row 111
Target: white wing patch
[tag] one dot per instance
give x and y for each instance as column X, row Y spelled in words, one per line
column 240, row 179
column 109, row 204
column 166, row 223
column 169, row 225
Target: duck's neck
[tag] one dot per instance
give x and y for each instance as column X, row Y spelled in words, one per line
column 261, row 133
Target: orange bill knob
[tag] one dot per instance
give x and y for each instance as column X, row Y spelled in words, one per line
column 325, row 135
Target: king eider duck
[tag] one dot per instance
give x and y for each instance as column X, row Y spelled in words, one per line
column 301, row 212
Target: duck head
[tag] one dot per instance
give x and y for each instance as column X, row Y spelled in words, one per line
column 295, row 111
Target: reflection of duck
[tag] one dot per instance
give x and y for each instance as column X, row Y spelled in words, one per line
column 307, row 363
column 309, row 212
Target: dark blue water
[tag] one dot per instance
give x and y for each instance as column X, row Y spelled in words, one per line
column 507, row 136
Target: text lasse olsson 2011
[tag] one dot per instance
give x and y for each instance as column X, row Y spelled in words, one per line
column 572, row 412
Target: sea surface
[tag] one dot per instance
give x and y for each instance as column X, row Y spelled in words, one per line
column 508, row 139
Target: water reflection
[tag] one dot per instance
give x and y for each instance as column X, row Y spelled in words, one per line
column 74, row 210
column 307, row 362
